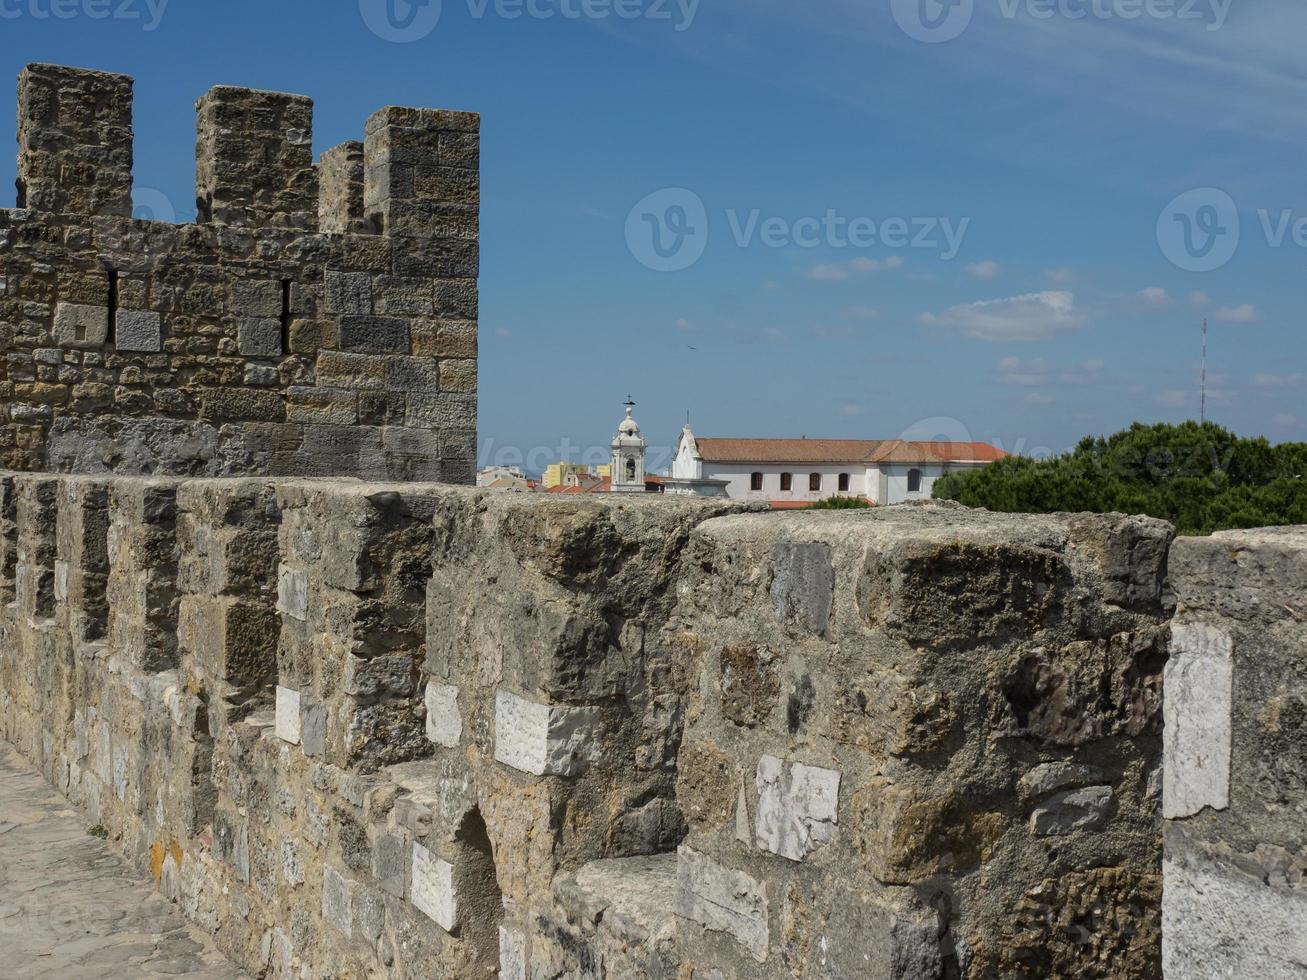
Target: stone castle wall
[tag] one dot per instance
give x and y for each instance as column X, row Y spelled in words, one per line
column 1235, row 901
column 318, row 320
column 417, row 730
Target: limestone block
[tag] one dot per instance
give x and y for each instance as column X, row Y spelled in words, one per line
column 288, row 715
column 432, row 888
column 1067, row 813
column 1197, row 737
column 804, row 585
column 797, row 807
column 77, row 325
column 257, row 299
column 543, row 739
column 390, row 864
column 723, row 900
column 348, row 292
column 444, row 723
column 337, row 900
column 293, row 592
column 1229, row 920
column 313, row 728
column 259, row 337
column 512, row 954
column 138, row 330
column 374, row 334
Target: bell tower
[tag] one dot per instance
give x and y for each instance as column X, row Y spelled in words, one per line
column 628, row 455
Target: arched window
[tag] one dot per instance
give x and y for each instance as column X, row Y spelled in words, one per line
column 787, row 482
column 630, row 467
column 755, row 482
column 914, row 481
column 844, row 483
column 814, row 483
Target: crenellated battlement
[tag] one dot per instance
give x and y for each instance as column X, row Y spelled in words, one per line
column 318, row 319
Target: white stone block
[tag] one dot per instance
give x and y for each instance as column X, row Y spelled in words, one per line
column 288, row 715
column 293, row 592
column 337, row 900
column 431, row 889
column 444, row 723
column 723, row 900
column 1197, row 737
column 61, row 569
column 798, row 807
column 544, row 739
column 512, row 954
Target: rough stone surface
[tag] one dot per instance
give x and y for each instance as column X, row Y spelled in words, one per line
column 591, row 738
column 1235, row 773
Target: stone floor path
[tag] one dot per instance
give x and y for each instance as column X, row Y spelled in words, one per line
column 72, row 908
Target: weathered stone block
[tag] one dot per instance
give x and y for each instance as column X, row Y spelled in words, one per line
column 259, row 337
column 723, row 900
column 543, row 739
column 337, row 900
column 1068, row 813
column 444, row 722
column 138, row 330
column 293, row 592
column 374, row 334
column 431, row 888
column 288, row 715
column 77, row 325
column 1197, row 737
column 798, row 807
column 348, row 293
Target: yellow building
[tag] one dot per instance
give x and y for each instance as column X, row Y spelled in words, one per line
column 556, row 474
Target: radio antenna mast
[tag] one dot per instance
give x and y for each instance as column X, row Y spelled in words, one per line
column 1202, row 416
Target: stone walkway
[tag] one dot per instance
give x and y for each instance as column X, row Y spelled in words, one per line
column 72, row 908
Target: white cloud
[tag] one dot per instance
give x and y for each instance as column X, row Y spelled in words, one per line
column 1199, row 299
column 1279, row 380
column 1285, row 419
column 1035, row 372
column 1172, row 399
column 1034, row 316
column 1039, row 398
column 1247, row 313
column 684, row 324
column 850, row 410
column 840, row 271
column 503, row 333
column 1154, row 298
column 1061, row 276
column 987, row 269
column 773, row 333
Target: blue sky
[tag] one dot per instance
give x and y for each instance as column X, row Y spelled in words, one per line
column 1050, row 144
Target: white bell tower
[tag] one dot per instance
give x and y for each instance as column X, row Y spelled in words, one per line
column 628, row 455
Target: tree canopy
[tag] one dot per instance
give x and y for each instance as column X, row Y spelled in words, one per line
column 1200, row 477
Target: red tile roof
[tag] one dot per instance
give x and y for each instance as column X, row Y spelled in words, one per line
column 839, row 451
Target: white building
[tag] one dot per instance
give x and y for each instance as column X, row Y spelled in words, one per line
column 804, row 471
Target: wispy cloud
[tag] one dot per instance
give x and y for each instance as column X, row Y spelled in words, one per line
column 840, row 271
column 1154, row 298
column 1034, row 316
column 988, row 269
column 1040, row 398
column 1061, row 276
column 1036, row 372
column 1247, row 313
